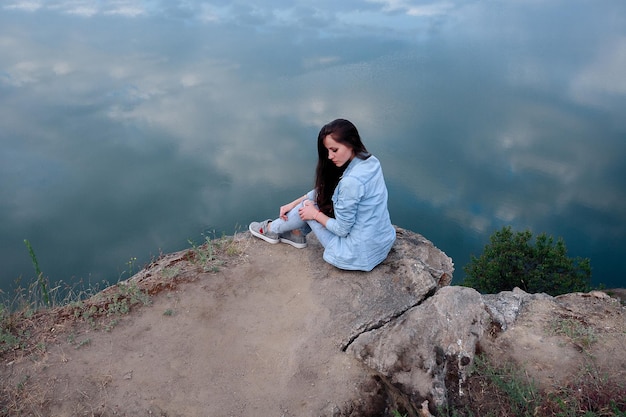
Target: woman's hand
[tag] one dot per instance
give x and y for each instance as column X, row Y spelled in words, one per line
column 282, row 213
column 308, row 211
column 285, row 209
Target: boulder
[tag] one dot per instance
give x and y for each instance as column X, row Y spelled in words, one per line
column 427, row 351
column 506, row 306
column 361, row 301
column 424, row 355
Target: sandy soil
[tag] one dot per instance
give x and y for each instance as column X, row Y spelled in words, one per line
column 233, row 343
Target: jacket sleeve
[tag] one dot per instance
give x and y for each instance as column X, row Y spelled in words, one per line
column 346, row 198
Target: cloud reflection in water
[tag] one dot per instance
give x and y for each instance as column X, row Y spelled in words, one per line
column 129, row 127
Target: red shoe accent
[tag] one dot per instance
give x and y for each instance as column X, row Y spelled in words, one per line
column 261, row 231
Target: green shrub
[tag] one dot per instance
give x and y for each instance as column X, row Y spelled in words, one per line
column 511, row 260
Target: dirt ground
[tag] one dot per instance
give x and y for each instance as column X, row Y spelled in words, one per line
column 236, row 342
column 579, row 336
column 247, row 340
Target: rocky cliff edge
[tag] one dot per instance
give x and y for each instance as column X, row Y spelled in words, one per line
column 244, row 328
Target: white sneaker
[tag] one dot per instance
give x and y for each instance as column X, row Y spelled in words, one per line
column 262, row 231
column 295, row 240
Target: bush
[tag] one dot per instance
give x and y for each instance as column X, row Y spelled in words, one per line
column 511, row 260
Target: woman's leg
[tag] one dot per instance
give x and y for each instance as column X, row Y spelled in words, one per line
column 293, row 222
column 324, row 235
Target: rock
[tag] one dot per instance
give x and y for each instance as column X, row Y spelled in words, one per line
column 427, row 351
column 506, row 306
column 360, row 301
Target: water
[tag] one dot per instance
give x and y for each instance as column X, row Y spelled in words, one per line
column 129, row 128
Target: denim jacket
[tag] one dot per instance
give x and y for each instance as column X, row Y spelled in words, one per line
column 362, row 224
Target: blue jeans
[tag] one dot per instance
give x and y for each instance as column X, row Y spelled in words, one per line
column 294, row 222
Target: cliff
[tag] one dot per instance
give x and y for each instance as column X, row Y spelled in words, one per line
column 239, row 327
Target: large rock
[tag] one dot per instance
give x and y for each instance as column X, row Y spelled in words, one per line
column 361, row 301
column 427, row 351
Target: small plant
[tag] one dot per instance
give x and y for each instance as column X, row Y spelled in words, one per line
column 109, row 326
column 130, row 268
column 113, row 303
column 13, row 312
column 23, row 382
column 590, row 396
column 133, row 293
column 169, row 312
column 8, row 340
column 510, row 390
column 40, row 278
column 580, row 334
column 506, row 390
column 204, row 255
column 170, row 272
column 118, row 305
column 209, row 255
column 82, row 343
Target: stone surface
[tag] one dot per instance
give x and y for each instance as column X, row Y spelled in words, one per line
column 506, row 306
column 427, row 351
column 361, row 301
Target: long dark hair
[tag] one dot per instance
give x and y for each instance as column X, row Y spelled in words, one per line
column 327, row 174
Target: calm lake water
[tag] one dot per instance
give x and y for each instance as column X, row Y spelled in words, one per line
column 128, row 128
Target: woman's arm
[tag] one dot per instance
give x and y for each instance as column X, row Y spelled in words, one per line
column 346, row 200
column 349, row 193
column 288, row 207
column 311, row 212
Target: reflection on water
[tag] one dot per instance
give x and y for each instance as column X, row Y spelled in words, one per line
column 129, row 128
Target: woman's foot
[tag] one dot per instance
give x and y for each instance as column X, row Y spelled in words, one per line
column 293, row 238
column 262, row 231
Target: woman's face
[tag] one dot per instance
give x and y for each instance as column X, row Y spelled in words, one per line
column 338, row 153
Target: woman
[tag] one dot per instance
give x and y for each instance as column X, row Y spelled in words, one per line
column 347, row 209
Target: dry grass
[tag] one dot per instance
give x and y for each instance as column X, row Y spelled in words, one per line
column 506, row 390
